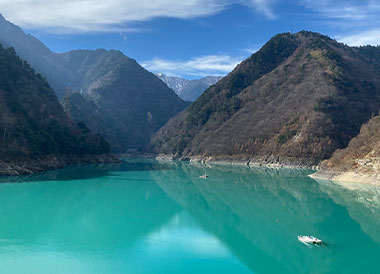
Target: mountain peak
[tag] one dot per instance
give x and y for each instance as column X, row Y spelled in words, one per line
column 296, row 100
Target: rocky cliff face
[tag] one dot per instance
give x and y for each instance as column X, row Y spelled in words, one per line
column 296, row 100
column 35, row 133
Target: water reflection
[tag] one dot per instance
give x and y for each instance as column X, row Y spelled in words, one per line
column 74, row 172
column 160, row 217
column 259, row 212
column 89, row 171
column 83, row 213
column 362, row 202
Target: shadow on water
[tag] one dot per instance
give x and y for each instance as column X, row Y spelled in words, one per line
column 69, row 173
column 88, row 171
column 258, row 213
column 145, row 165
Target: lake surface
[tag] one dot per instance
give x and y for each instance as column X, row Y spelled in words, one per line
column 149, row 217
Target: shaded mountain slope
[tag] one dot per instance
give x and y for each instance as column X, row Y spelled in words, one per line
column 195, row 88
column 128, row 103
column 119, row 100
column 295, row 101
column 33, row 124
column 43, row 60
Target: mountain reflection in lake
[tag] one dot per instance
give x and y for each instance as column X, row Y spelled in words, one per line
column 258, row 212
column 145, row 216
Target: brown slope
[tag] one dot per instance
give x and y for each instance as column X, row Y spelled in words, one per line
column 297, row 100
column 360, row 161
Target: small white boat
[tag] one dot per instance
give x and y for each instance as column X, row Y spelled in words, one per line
column 203, row 176
column 309, row 240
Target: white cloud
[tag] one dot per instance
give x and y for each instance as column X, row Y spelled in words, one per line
column 370, row 37
column 264, row 6
column 251, row 50
column 352, row 10
column 357, row 20
column 76, row 16
column 199, row 66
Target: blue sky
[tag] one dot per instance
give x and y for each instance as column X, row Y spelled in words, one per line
column 189, row 38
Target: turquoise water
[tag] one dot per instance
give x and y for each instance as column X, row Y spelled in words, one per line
column 147, row 217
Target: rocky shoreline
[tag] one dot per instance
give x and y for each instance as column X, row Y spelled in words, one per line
column 266, row 161
column 346, row 177
column 37, row 165
column 340, row 177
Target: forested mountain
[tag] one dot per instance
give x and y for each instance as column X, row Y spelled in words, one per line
column 295, row 101
column 43, row 60
column 35, row 133
column 119, row 100
column 129, row 102
column 360, row 161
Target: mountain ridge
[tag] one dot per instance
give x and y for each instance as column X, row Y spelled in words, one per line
column 128, row 102
column 293, row 102
column 114, row 84
column 36, row 134
column 32, row 50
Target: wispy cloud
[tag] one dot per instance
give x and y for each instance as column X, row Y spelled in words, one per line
column 78, row 16
column 264, row 6
column 251, row 50
column 352, row 10
column 346, row 10
column 356, row 22
column 370, row 37
column 199, row 66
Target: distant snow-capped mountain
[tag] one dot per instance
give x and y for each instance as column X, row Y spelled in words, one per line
column 188, row 90
column 177, row 84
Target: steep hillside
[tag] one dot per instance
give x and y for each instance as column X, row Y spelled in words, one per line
column 188, row 90
column 43, row 60
column 35, row 133
column 294, row 102
column 128, row 102
column 119, row 100
column 360, row 161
